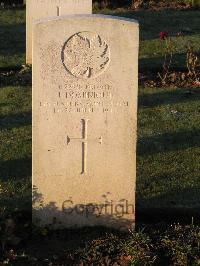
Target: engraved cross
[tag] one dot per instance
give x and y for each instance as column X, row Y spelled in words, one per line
column 58, row 11
column 84, row 141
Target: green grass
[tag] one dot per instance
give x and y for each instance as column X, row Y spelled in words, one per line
column 15, row 147
column 172, row 21
column 12, row 38
column 168, row 154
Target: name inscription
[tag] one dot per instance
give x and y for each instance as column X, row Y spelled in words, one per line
column 90, row 99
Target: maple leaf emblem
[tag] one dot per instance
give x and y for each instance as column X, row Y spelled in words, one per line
column 85, row 55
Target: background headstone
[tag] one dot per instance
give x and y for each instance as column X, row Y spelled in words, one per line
column 39, row 9
column 85, row 84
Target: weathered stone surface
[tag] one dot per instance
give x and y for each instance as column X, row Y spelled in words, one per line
column 85, row 84
column 39, row 9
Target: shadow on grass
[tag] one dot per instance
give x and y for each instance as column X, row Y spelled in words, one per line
column 12, row 44
column 66, row 241
column 20, row 202
column 167, row 215
column 15, row 169
column 12, row 39
column 172, row 21
column 155, row 63
column 15, row 120
column 168, row 97
column 172, row 212
column 175, row 141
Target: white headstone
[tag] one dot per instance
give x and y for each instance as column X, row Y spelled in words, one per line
column 85, row 85
column 39, row 9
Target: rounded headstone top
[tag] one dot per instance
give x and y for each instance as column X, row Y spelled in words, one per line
column 85, row 16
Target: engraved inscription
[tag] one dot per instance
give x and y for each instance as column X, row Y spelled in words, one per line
column 86, row 99
column 85, row 55
column 84, row 141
